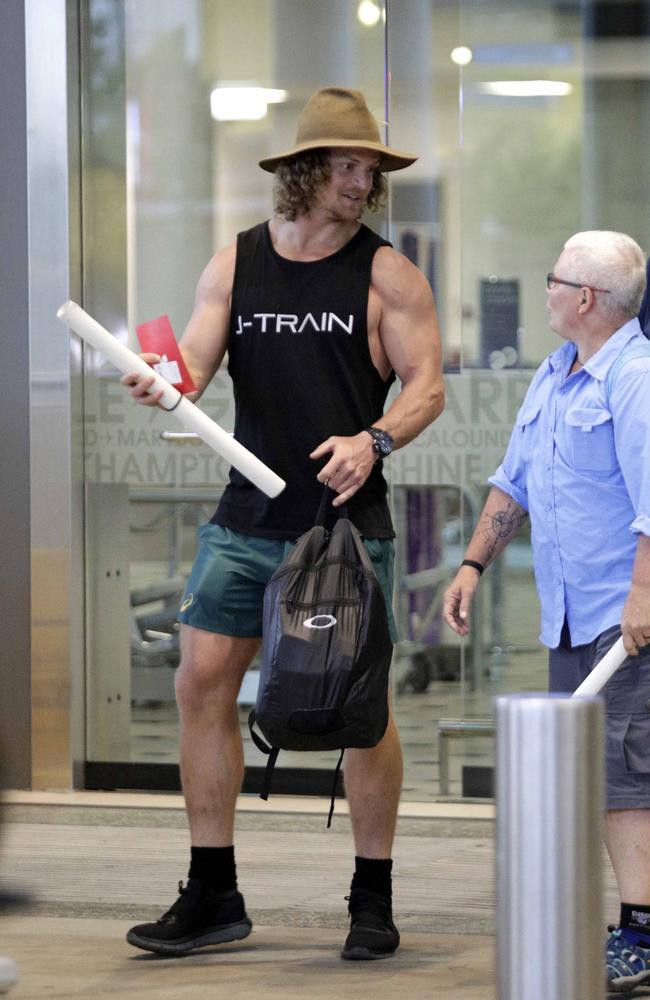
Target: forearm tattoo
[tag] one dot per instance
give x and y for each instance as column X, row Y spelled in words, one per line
column 500, row 525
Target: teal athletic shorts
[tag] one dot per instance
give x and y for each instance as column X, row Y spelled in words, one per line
column 225, row 590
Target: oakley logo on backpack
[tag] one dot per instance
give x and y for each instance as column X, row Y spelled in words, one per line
column 320, row 621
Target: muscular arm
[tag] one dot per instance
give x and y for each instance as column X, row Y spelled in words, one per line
column 205, row 339
column 410, row 338
column 635, row 621
column 404, row 336
column 500, row 520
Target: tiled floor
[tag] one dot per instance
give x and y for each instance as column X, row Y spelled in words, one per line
column 94, row 870
column 76, row 959
column 93, row 865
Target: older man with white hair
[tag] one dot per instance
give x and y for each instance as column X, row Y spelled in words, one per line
column 578, row 463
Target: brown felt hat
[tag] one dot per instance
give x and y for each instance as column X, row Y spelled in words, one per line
column 337, row 118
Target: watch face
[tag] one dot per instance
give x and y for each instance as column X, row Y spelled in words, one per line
column 382, row 442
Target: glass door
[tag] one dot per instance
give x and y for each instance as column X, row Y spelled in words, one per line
column 180, row 99
column 513, row 110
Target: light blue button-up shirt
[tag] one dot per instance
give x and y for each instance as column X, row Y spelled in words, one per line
column 579, row 461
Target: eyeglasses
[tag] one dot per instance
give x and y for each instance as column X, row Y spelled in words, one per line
column 552, row 281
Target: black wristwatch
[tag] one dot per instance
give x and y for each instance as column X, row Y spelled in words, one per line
column 382, row 441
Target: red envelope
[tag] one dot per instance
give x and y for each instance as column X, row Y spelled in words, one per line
column 157, row 337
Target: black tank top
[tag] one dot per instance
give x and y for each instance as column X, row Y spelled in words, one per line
column 300, row 363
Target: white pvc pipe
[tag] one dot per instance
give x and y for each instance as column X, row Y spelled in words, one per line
column 603, row 670
column 186, row 412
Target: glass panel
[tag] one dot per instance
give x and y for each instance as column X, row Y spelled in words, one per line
column 527, row 118
column 181, row 99
column 526, row 115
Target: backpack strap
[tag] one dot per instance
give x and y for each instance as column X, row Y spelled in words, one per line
column 337, row 771
column 322, row 507
column 637, row 349
column 271, row 752
column 326, row 497
column 268, row 772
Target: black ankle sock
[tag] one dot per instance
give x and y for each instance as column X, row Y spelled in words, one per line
column 214, row 867
column 373, row 874
column 637, row 918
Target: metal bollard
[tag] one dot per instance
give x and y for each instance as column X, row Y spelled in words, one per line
column 550, row 808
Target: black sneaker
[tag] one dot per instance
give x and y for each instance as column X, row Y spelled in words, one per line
column 198, row 917
column 372, row 931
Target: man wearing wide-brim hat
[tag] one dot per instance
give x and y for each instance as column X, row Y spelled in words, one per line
column 318, row 315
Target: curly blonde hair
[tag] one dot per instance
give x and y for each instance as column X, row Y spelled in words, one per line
column 299, row 178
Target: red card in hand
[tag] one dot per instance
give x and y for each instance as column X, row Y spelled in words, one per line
column 157, row 337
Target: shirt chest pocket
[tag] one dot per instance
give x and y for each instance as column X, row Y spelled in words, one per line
column 527, row 426
column 590, row 435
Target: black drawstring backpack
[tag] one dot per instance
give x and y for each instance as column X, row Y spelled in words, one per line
column 326, row 649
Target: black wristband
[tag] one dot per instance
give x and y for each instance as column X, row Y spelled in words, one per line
column 475, row 565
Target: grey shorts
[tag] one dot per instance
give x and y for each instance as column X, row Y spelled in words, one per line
column 627, row 714
column 225, row 590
